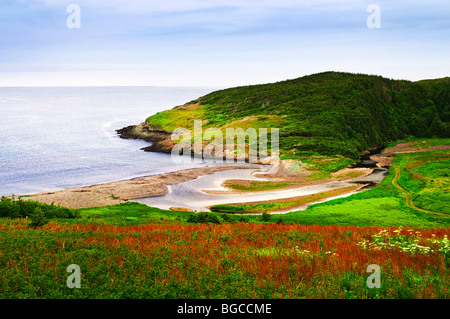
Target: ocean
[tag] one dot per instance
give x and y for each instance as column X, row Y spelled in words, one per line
column 64, row 137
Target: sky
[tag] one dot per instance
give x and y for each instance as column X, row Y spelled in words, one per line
column 218, row 43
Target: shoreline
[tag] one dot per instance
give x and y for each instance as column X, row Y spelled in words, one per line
column 196, row 196
column 138, row 188
column 302, row 206
column 113, row 193
column 295, row 184
column 117, row 192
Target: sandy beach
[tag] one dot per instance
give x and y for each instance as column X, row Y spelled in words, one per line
column 122, row 191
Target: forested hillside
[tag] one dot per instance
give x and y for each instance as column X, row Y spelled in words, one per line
column 330, row 113
column 339, row 113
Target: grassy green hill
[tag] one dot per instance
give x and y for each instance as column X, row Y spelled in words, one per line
column 331, row 113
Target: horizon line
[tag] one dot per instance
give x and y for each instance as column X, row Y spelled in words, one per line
column 197, row 86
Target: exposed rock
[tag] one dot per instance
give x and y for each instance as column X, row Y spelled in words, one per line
column 161, row 140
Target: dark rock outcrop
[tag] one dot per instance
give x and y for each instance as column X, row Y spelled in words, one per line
column 161, row 140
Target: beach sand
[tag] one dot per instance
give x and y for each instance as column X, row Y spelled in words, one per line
column 114, row 193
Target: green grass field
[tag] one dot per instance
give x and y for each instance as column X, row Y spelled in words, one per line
column 386, row 204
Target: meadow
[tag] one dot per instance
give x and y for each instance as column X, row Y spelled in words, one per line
column 233, row 260
column 136, row 251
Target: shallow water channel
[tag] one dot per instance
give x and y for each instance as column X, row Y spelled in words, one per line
column 190, row 194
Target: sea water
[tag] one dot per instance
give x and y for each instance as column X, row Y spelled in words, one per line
column 60, row 137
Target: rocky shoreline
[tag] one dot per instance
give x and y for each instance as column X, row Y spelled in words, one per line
column 161, row 140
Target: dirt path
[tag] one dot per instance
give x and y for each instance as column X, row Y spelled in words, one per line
column 408, row 195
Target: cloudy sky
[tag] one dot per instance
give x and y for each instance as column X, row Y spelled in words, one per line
column 218, row 43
